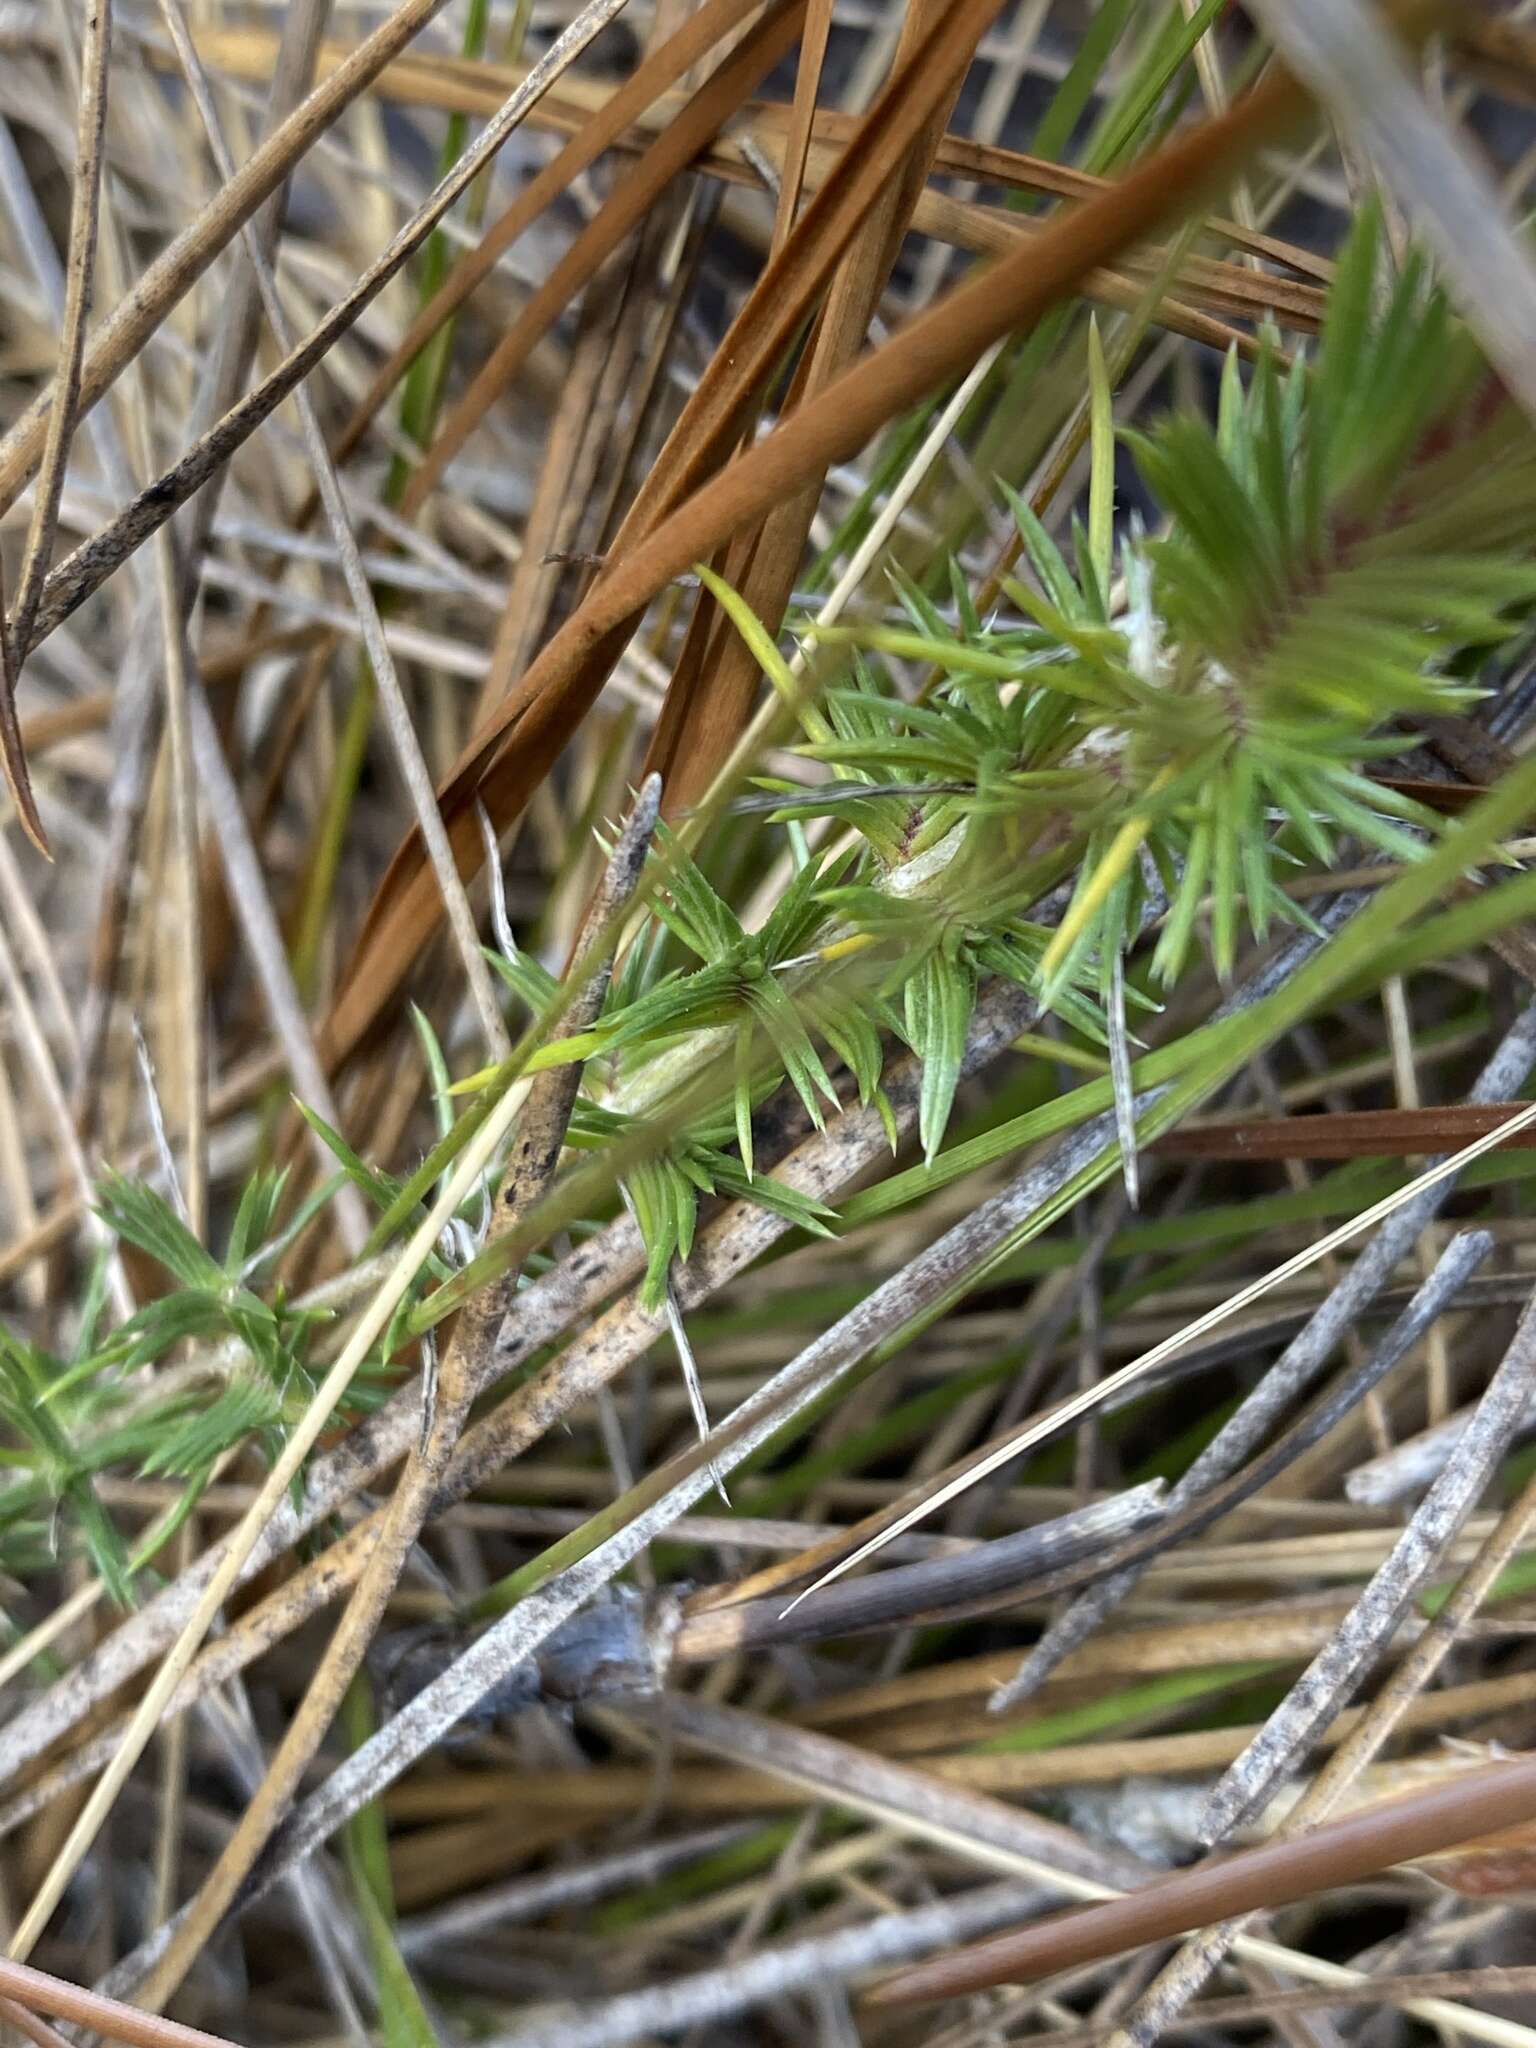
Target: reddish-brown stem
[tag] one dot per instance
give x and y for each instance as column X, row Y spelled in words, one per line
column 1463, row 1808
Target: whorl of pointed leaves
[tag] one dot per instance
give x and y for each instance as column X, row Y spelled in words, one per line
column 1344, row 544
column 693, row 971
column 69, row 1420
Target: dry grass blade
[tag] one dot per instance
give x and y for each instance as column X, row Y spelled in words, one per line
column 1350, row 58
column 982, row 1576
column 73, row 580
column 661, row 70
column 1083, row 1403
column 526, row 1898
column 1394, row 1831
column 95, row 57
column 49, row 1086
column 716, row 101
column 79, row 275
column 1405, row 1685
column 468, row 1363
column 118, row 339
column 1342, row 1134
column 716, row 678
column 397, row 715
column 30, row 2027
column 776, row 1971
column 1333, row 1675
column 37, row 1991
column 13, row 752
column 636, row 291
column 808, row 75
column 1293, row 1372
column 263, row 936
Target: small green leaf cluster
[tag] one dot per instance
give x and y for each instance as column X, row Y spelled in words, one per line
column 121, row 1402
column 1346, row 540
column 787, row 1004
column 731, row 986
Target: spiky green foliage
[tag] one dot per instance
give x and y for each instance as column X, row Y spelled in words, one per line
column 1152, row 736
column 729, row 984
column 1344, row 542
column 838, row 970
column 125, row 1400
